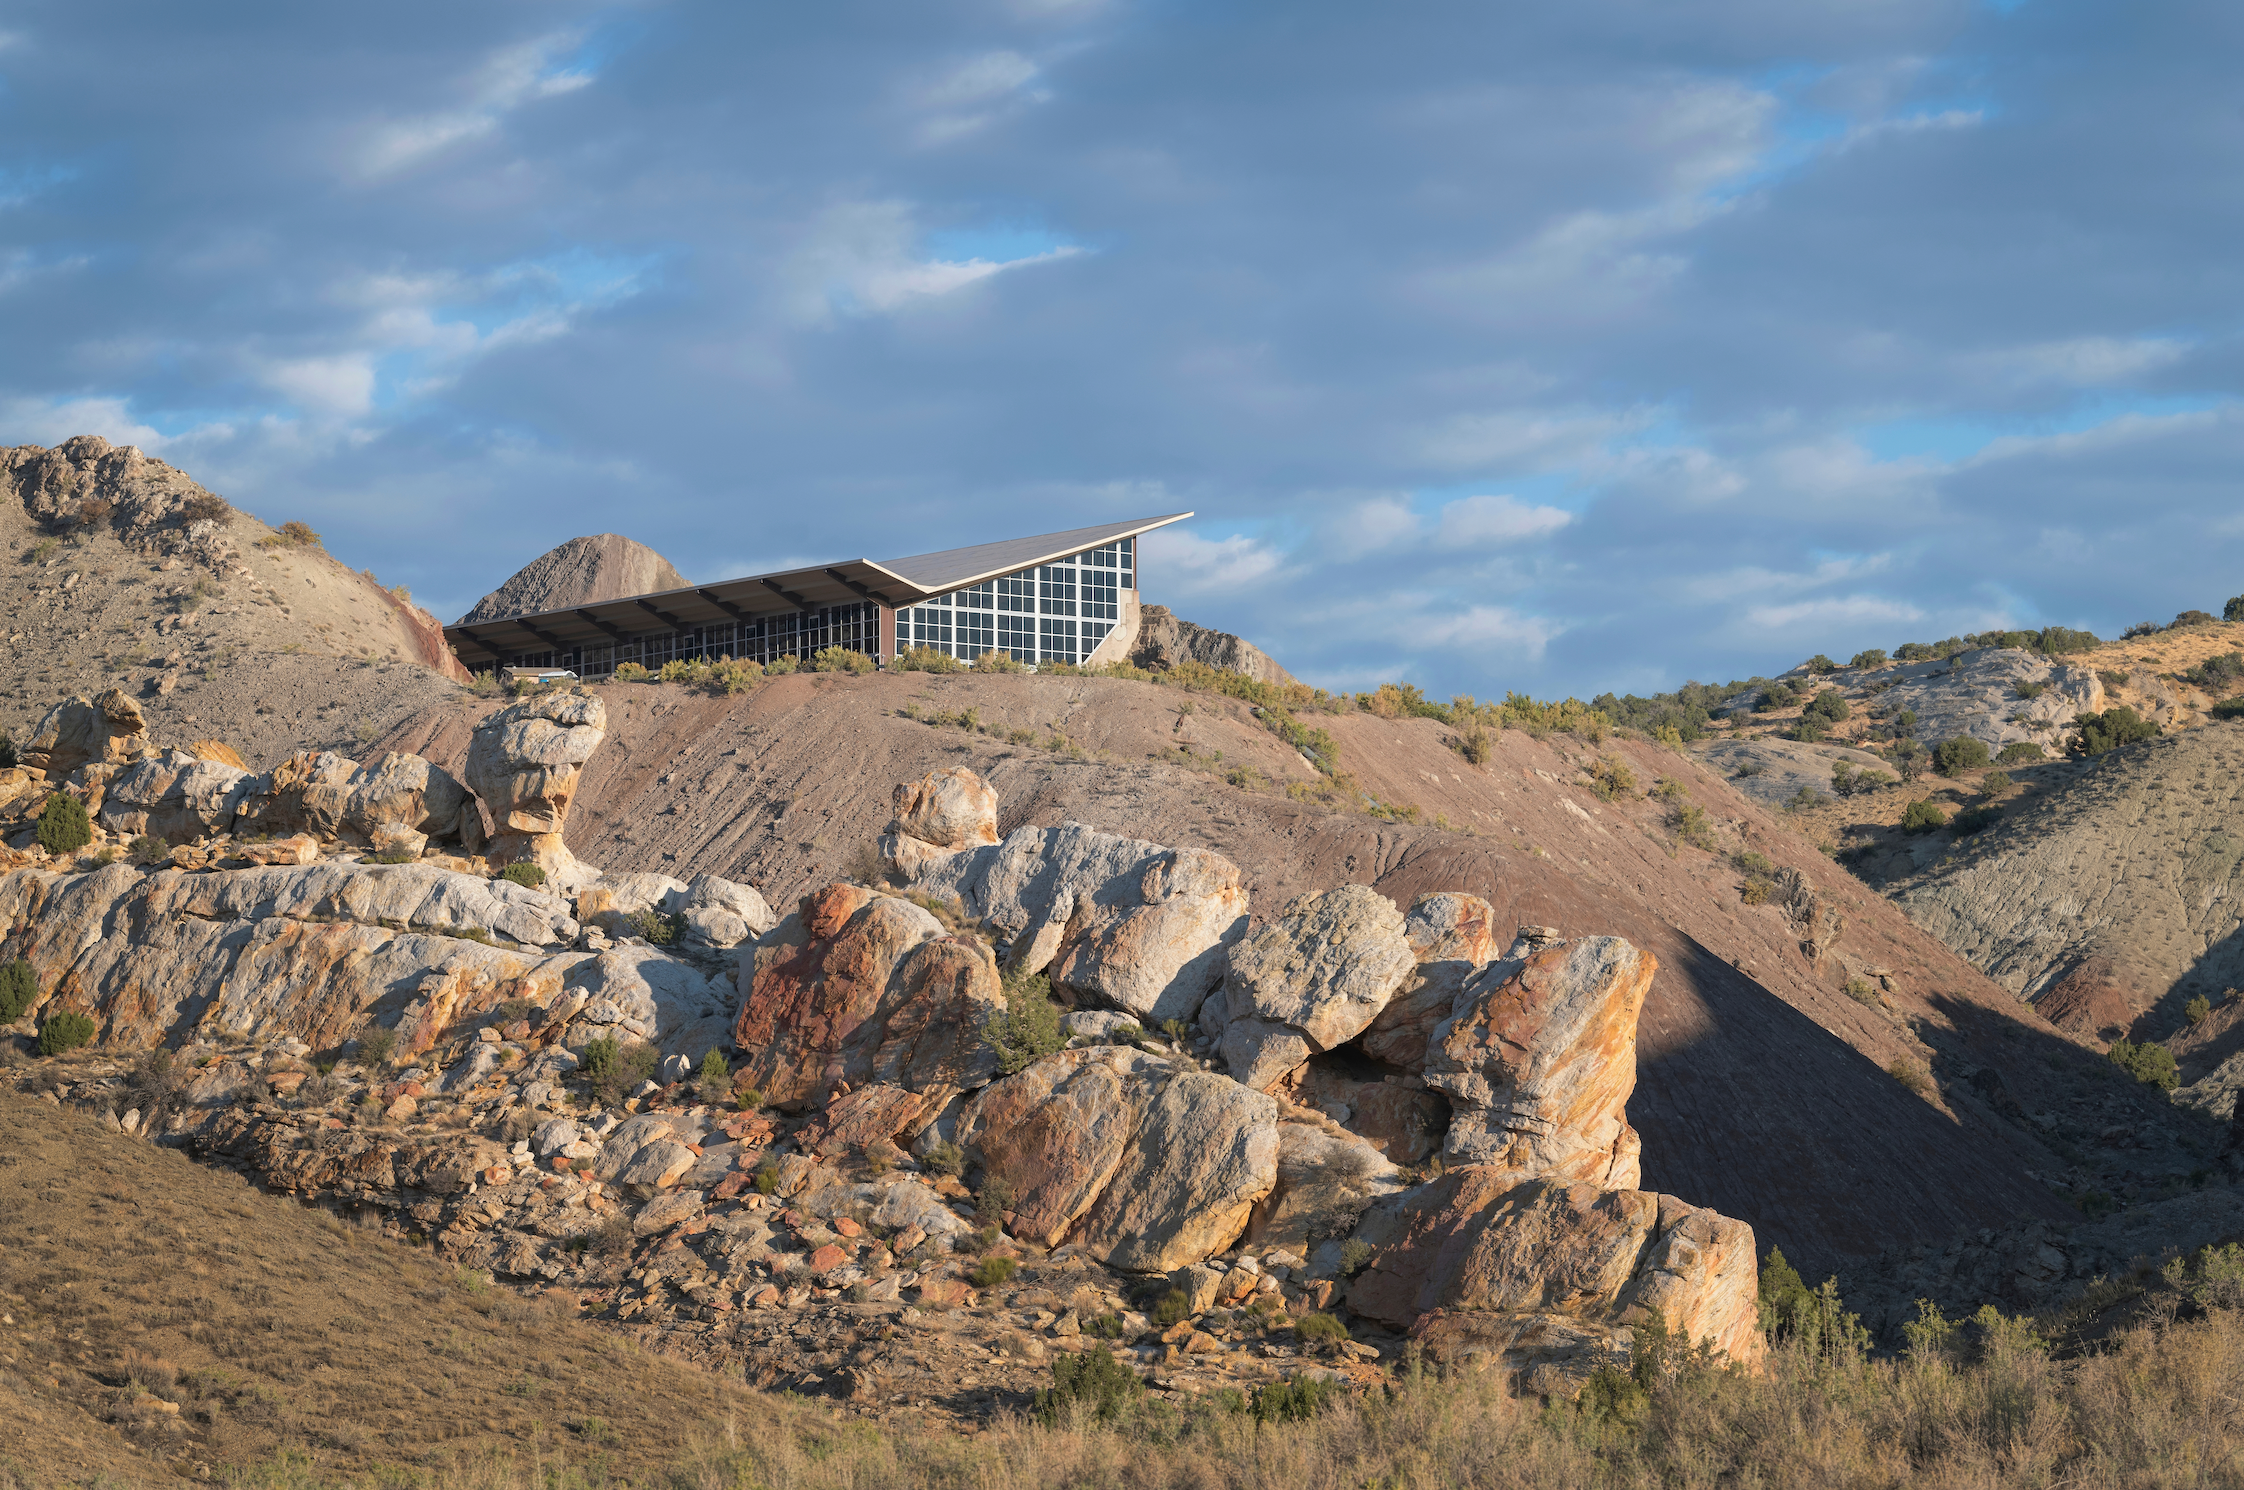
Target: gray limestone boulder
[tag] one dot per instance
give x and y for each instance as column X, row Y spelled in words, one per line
column 1312, row 980
column 174, row 796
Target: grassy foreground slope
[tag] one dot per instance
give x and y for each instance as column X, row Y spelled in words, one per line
column 165, row 1320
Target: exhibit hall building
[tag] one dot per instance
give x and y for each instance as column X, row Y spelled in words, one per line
column 1058, row 597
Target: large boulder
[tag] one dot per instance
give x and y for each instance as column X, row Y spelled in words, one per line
column 1539, row 1061
column 108, row 729
column 861, row 986
column 604, row 566
column 1114, row 920
column 525, row 763
column 174, row 796
column 937, row 815
column 1145, row 1166
column 1452, row 935
column 1470, row 1258
column 335, row 798
column 639, row 992
column 1327, row 1178
column 1312, row 980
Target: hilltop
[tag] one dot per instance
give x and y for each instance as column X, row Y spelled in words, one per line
column 125, row 573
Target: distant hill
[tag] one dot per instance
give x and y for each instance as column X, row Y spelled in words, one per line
column 122, row 572
column 606, row 566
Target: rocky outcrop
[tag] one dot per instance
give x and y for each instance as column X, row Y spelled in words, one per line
column 1539, row 1063
column 107, row 730
column 525, row 763
column 605, row 566
column 316, row 953
column 1327, row 1179
column 1164, row 641
column 1145, row 1166
column 1453, row 937
column 174, row 796
column 1311, row 981
column 1114, row 921
column 1551, row 1279
column 1976, row 694
column 936, row 816
column 859, row 987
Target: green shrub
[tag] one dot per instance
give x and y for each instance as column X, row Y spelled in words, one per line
column 1320, row 1329
column 2019, row 752
column 1820, row 665
column 782, row 665
column 1775, row 696
column 1693, row 826
column 1995, row 783
column 2025, row 689
column 2229, row 708
column 18, row 987
column 375, row 1042
column 1922, row 817
column 927, row 660
column 1809, row 729
column 150, row 851
column 716, row 1072
column 2196, row 1011
column 65, row 1029
column 2234, row 610
column 1874, row 657
column 1103, row 1326
column 1354, row 1253
column 2099, row 734
column 1829, row 704
column 1849, row 780
column 2150, row 1063
column 1910, row 1075
column 528, row 876
column 1751, row 861
column 657, row 925
column 599, row 1060
column 1611, row 778
column 2192, row 618
column 840, row 660
column 1172, row 1307
column 767, row 1178
column 630, row 672
column 1090, row 1381
column 7, row 753
column 2057, row 641
column 1976, row 820
column 1296, row 1400
column 64, row 827
column 999, row 662
column 1803, row 799
column 2222, row 674
column 1963, row 753
column 1029, row 1029
column 991, row 1271
column 946, row 1158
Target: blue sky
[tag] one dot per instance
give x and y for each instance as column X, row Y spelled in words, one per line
column 1559, row 348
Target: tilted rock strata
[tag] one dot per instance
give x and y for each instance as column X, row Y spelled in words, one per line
column 583, row 571
column 1539, row 1061
column 316, row 953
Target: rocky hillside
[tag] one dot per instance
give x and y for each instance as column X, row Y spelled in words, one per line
column 606, row 566
column 2131, row 864
column 164, row 1320
column 1765, row 1087
column 124, row 573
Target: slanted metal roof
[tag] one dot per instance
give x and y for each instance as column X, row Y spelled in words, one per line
column 891, row 582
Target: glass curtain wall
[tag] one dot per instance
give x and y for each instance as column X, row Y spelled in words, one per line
column 758, row 639
column 1050, row 613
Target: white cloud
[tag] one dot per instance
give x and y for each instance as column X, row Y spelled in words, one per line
column 507, row 80
column 2081, row 362
column 341, row 384
column 40, row 421
column 1521, row 438
column 1471, row 521
column 1371, row 526
column 1838, row 610
column 1187, row 564
column 860, row 257
column 976, row 93
column 1487, row 629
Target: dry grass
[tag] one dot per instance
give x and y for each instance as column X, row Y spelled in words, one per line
column 2164, row 1407
column 132, row 1277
